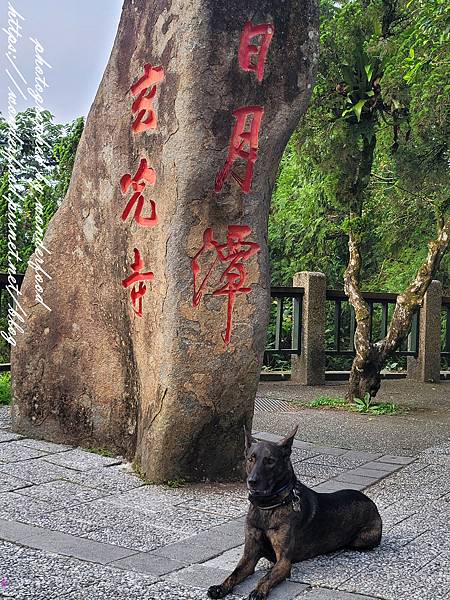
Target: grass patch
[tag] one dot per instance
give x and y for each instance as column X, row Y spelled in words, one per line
column 5, row 389
column 327, row 402
column 175, row 483
column 102, row 452
column 360, row 405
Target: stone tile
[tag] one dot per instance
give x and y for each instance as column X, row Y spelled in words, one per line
column 151, row 564
column 60, row 521
column 49, row 447
column 78, row 547
column 81, row 460
column 12, row 531
column 286, row 590
column 333, row 485
column 220, row 540
column 191, row 550
column 167, row 590
column 151, row 498
column 5, row 418
column 302, row 445
column 141, row 537
column 226, row 500
column 341, row 462
column 379, row 466
column 16, row 507
column 396, row 460
column 198, row 576
column 386, row 574
column 299, row 454
column 328, row 487
column 362, row 455
column 228, row 560
column 112, row 479
column 234, row 528
column 316, row 470
column 350, row 477
column 325, row 594
column 373, row 473
column 330, row 451
column 63, row 493
column 102, row 513
column 9, row 436
column 8, row 483
column 13, row 452
column 35, row 471
column 40, row 575
column 187, row 520
column 312, row 482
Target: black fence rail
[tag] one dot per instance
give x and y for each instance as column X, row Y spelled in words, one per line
column 445, row 347
column 381, row 306
column 285, row 328
column 284, row 336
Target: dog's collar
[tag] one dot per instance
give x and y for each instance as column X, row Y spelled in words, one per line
column 281, row 497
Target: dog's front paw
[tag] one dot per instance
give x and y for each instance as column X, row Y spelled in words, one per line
column 256, row 595
column 217, row 591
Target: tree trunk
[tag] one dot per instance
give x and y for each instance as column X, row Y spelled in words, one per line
column 365, row 375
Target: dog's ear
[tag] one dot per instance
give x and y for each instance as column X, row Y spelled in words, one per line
column 286, row 443
column 249, row 439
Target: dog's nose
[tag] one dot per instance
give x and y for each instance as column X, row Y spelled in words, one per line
column 252, row 479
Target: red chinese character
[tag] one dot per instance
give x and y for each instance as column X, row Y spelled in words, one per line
column 235, row 251
column 244, row 144
column 145, row 90
column 248, row 51
column 138, row 182
column 137, row 276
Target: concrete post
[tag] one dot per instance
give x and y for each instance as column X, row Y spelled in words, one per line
column 309, row 367
column 427, row 366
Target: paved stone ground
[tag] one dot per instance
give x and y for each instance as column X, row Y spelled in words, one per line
column 75, row 525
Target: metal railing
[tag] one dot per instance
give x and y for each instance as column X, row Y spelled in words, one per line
column 344, row 345
column 288, row 306
column 341, row 322
column 280, row 296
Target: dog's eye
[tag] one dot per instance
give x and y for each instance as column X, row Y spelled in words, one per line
column 269, row 461
column 251, row 459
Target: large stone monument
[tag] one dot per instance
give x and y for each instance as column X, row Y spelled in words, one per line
column 146, row 332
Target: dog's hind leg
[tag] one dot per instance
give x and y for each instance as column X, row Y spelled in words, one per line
column 369, row 537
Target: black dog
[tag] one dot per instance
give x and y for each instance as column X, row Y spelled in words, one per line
column 288, row 522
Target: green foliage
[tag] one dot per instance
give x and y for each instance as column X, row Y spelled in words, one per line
column 328, row 401
column 371, row 154
column 359, row 405
column 101, row 452
column 5, row 389
column 43, row 183
column 176, row 483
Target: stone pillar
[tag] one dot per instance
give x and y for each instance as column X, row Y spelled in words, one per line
column 309, row 367
column 159, row 289
column 427, row 366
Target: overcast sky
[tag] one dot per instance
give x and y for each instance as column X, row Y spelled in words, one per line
column 76, row 37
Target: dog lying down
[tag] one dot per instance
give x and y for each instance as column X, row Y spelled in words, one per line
column 288, row 522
